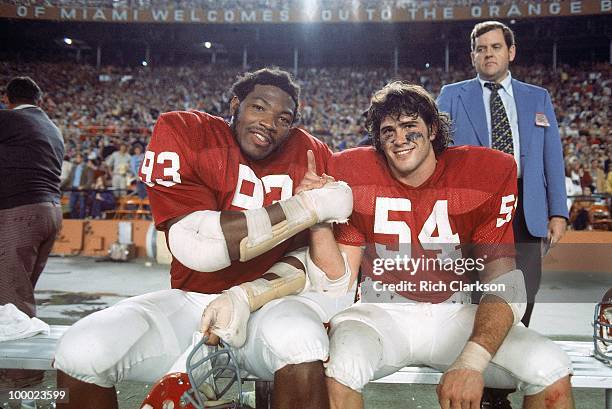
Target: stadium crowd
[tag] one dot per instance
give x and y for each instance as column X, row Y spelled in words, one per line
column 107, row 116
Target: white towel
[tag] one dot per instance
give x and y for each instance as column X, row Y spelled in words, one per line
column 15, row 324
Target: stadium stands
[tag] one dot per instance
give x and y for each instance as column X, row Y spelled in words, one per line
column 98, row 110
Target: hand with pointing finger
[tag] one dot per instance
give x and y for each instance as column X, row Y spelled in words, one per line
column 311, row 179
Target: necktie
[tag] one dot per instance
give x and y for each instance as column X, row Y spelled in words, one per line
column 501, row 134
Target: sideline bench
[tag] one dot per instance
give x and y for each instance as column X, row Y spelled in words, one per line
column 37, row 353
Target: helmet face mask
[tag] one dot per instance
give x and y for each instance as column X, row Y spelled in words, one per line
column 602, row 329
column 211, row 373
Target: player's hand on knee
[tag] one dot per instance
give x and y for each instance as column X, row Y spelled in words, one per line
column 226, row 317
column 460, row 389
column 311, row 179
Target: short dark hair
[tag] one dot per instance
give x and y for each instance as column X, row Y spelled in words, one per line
column 486, row 26
column 282, row 79
column 403, row 98
column 23, row 89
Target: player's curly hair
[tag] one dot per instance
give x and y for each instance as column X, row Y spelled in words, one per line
column 403, row 98
column 282, row 79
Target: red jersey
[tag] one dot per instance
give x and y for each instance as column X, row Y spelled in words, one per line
column 423, row 234
column 193, row 162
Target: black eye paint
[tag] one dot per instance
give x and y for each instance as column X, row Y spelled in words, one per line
column 413, row 136
column 410, row 137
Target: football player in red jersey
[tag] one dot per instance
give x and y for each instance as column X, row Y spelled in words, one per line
column 423, row 215
column 232, row 201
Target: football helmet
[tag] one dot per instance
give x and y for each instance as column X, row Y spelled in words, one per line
column 602, row 329
column 211, row 372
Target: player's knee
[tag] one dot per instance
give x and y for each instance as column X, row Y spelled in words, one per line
column 559, row 393
column 294, row 334
column 83, row 356
column 352, row 363
column 546, row 363
column 90, row 351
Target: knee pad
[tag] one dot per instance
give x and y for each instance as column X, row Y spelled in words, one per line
column 292, row 333
column 541, row 363
column 90, row 351
column 355, row 354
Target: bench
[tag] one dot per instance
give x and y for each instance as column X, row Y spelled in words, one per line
column 37, row 353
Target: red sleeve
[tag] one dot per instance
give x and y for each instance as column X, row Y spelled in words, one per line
column 349, row 234
column 345, row 233
column 170, row 169
column 494, row 236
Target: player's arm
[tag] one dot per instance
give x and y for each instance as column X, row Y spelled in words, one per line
column 327, row 268
column 501, row 306
column 210, row 240
column 334, row 266
column 497, row 312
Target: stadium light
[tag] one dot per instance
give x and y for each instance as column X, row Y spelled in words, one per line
column 68, row 41
column 144, row 63
column 426, row 65
column 207, row 44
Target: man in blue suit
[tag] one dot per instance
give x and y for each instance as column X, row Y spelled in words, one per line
column 495, row 110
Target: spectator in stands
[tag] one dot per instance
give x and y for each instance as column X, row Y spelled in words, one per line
column 586, row 180
column 572, row 188
column 119, row 165
column 575, row 171
column 31, row 153
column 79, row 179
column 101, row 199
column 598, row 175
column 135, row 164
column 66, row 168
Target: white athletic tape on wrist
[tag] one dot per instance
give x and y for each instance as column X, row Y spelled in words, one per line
column 290, row 281
column 332, row 203
column 512, row 290
column 318, row 281
column 474, row 356
column 197, row 241
column 227, row 316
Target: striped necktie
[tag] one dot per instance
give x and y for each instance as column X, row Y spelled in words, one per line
column 501, row 134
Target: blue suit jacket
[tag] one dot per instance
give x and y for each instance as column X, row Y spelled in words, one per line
column 542, row 166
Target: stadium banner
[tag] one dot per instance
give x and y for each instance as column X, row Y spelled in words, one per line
column 305, row 11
